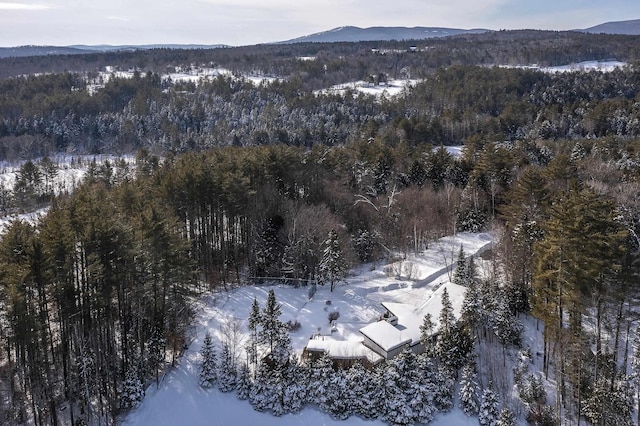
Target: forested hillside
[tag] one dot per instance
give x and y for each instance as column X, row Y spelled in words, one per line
column 237, row 183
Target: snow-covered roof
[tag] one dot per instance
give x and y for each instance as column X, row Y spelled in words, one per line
column 342, row 349
column 385, row 335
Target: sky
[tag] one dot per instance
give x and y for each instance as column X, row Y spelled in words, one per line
column 246, row 22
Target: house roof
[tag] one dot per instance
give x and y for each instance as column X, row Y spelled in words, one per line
column 385, row 335
column 340, row 349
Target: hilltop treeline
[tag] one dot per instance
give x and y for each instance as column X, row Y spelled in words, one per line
column 41, row 115
column 353, row 60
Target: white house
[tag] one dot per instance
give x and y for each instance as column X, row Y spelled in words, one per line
column 399, row 328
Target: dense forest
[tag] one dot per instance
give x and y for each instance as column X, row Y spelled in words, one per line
column 238, row 183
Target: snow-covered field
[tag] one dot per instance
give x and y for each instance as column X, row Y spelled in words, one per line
column 190, row 75
column 604, row 66
column 417, row 281
column 389, row 89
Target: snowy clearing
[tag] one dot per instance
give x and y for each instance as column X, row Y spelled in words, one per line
column 417, row 281
column 604, row 66
column 389, row 89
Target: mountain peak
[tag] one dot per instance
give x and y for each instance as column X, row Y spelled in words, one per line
column 354, row 34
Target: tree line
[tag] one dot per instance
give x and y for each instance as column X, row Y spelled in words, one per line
column 47, row 114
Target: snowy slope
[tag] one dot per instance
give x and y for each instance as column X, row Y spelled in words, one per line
column 180, row 401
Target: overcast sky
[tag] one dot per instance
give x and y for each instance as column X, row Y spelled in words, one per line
column 242, row 22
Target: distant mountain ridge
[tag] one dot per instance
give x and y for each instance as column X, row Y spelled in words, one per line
column 353, row 34
column 631, row 27
column 340, row 34
column 23, row 51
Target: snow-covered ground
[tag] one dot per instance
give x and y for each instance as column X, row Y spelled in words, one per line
column 192, row 75
column 417, row 281
column 389, row 89
column 604, row 66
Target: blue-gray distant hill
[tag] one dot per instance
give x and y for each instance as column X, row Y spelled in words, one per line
column 355, row 34
column 24, row 51
column 631, row 27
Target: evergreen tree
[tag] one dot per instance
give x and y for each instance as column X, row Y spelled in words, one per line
column 610, row 405
column 372, row 407
column 488, row 415
column 260, row 396
column 356, row 382
column 156, row 352
column 427, row 329
column 447, row 318
column 422, row 392
column 226, row 371
column 506, row 327
column 396, row 411
column 208, row 365
column 255, row 327
column 461, row 273
column 273, row 332
column 454, row 346
column 471, row 312
column 244, row 382
column 132, row 391
column 444, row 386
column 469, row 391
column 506, row 418
column 320, row 376
column 295, row 391
column 333, row 266
column 338, row 404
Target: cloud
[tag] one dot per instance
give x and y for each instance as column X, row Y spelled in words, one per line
column 118, row 18
column 22, row 6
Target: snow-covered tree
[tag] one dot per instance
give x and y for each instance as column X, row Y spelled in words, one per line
column 260, row 393
column 454, row 346
column 244, row 382
column 356, row 379
column 635, row 365
column 208, row 367
column 254, row 325
column 333, row 266
column 422, row 392
column 444, row 387
column 469, row 401
column 427, row 329
column 338, row 403
column 506, row 418
column 320, row 373
column 270, row 322
column 610, row 406
column 465, row 272
column 471, row 312
column 488, row 415
column 396, row 411
column 156, row 351
column 370, row 406
column 226, row 372
column 273, row 333
column 506, row 327
column 295, row 391
column 132, row 391
column 447, row 317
